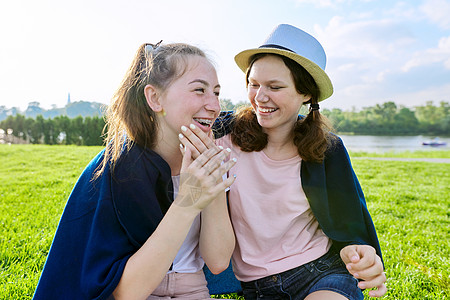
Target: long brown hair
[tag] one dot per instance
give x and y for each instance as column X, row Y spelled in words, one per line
column 311, row 134
column 129, row 119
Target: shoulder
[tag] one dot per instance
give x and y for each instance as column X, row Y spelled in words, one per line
column 137, row 162
column 223, row 124
column 336, row 148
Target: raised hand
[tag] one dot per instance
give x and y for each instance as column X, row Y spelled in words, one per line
column 196, row 140
column 201, row 178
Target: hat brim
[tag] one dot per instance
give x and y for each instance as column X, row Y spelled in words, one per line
column 320, row 77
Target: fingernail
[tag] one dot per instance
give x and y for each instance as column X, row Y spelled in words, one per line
column 228, row 149
column 184, row 128
column 356, row 275
column 355, row 257
column 180, row 135
column 362, row 285
column 220, row 147
column 192, row 126
column 181, row 146
column 234, row 159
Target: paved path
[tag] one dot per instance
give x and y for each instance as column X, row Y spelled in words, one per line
column 435, row 160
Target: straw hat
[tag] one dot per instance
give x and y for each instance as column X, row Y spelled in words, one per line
column 289, row 41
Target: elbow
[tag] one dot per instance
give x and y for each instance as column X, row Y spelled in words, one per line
column 219, row 267
column 125, row 293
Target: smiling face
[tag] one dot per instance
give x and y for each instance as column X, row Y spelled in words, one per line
column 272, row 93
column 193, row 98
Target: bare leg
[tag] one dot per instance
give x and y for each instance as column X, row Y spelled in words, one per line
column 325, row 295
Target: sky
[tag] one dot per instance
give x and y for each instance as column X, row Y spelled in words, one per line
column 377, row 50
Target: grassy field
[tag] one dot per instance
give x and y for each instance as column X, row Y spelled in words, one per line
column 409, row 203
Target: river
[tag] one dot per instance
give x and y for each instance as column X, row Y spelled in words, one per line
column 371, row 143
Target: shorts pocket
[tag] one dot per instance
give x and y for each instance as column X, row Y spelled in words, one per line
column 325, row 263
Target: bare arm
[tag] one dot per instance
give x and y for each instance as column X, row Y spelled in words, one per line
column 217, row 239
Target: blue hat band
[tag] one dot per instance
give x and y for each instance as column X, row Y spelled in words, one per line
column 277, row 47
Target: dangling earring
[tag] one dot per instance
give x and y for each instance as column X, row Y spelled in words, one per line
column 163, row 112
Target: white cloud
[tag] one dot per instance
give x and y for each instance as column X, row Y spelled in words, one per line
column 329, row 3
column 437, row 11
column 440, row 54
column 434, row 93
column 323, row 3
column 404, row 10
column 371, row 39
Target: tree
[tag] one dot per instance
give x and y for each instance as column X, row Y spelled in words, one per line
column 226, row 105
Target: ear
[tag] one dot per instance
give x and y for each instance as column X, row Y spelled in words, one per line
column 152, row 96
column 306, row 98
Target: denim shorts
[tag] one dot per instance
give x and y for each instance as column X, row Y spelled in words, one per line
column 325, row 273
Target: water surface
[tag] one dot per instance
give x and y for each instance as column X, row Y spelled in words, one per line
column 370, row 143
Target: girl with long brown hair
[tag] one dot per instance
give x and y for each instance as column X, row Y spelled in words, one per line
column 301, row 222
column 143, row 219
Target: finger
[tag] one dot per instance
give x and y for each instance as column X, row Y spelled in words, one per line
column 187, row 144
column 374, row 282
column 206, row 138
column 349, row 254
column 379, row 292
column 197, row 138
column 370, row 272
column 368, row 259
column 227, row 182
column 223, row 169
column 224, row 184
column 214, row 162
column 200, row 161
column 187, row 160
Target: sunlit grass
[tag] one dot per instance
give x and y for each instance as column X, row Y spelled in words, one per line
column 405, row 154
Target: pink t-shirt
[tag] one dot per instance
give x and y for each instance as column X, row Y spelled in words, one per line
column 273, row 222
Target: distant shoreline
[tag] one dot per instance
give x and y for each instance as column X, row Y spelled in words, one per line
column 425, row 159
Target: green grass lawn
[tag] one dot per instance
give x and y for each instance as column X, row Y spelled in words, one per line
column 409, row 203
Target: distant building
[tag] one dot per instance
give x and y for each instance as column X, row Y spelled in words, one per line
column 68, row 99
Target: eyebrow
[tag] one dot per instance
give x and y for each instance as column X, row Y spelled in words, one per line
column 203, row 82
column 269, row 81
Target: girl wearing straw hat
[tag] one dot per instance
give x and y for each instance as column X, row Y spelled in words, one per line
column 302, row 227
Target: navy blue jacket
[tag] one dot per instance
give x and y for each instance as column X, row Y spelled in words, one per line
column 105, row 222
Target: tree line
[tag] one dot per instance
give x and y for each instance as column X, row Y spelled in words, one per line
column 60, row 130
column 381, row 119
column 384, row 119
column 389, row 119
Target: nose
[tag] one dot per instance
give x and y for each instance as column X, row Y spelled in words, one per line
column 212, row 104
column 261, row 95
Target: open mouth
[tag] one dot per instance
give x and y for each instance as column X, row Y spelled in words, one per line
column 203, row 122
column 267, row 109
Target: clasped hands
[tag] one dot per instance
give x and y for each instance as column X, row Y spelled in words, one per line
column 202, row 169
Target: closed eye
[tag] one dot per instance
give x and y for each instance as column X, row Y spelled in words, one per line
column 200, row 90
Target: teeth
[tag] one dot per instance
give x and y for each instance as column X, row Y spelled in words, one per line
column 203, row 121
column 266, row 110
